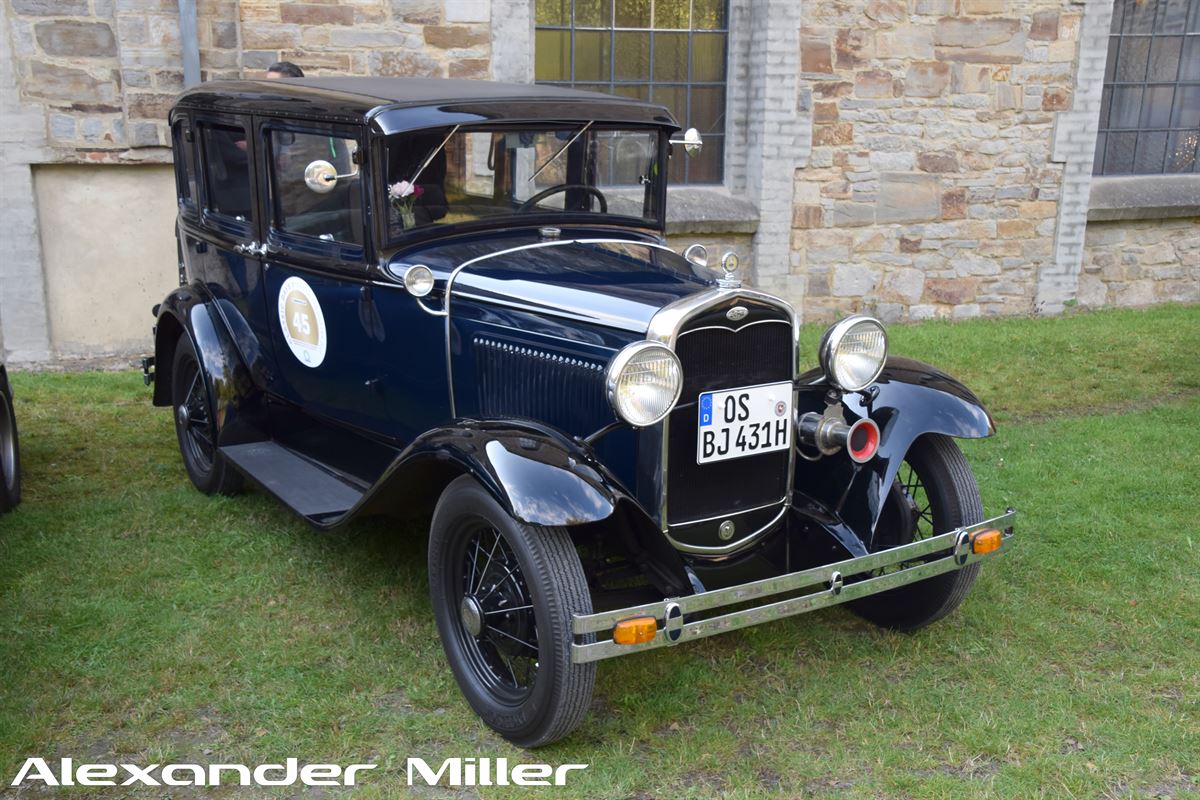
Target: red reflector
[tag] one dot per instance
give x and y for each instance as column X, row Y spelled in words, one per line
column 863, row 440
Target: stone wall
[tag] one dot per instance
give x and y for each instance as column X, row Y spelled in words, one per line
column 1140, row 262
column 930, row 190
column 105, row 72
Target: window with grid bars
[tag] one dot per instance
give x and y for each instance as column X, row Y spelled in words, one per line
column 1150, row 111
column 671, row 52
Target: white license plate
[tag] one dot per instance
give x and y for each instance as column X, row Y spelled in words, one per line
column 744, row 422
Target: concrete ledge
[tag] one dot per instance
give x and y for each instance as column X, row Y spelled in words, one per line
column 1116, row 197
column 691, row 209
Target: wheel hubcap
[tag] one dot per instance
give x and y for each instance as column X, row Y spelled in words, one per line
column 472, row 615
column 182, row 415
column 495, row 615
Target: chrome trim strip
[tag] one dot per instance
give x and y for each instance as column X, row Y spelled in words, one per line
column 721, row 550
column 477, row 259
column 691, row 522
column 733, row 329
column 830, row 577
column 665, row 327
column 622, row 323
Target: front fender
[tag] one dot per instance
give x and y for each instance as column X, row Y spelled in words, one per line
column 910, row 399
column 539, row 475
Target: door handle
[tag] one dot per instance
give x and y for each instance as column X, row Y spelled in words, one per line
column 252, row 249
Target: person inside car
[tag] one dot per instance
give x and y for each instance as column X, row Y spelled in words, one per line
column 283, row 69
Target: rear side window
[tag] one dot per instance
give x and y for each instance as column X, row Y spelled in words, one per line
column 227, row 171
column 185, row 166
column 316, row 186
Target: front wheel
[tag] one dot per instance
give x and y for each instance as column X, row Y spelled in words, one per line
column 934, row 492
column 503, row 595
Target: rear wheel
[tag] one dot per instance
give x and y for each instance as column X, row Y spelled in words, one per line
column 935, row 492
column 503, row 595
column 195, row 425
column 10, row 455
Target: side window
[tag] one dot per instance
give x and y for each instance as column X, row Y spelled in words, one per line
column 185, row 166
column 316, row 188
column 227, row 171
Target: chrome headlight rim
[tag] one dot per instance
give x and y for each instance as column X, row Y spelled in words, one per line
column 832, row 339
column 618, row 364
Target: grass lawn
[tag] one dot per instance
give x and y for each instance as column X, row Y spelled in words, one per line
column 145, row 623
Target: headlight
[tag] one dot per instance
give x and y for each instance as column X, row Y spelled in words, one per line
column 644, row 381
column 853, row 352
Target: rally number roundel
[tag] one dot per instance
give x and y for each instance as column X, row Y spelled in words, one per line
column 302, row 322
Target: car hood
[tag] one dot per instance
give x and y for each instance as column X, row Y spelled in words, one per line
column 620, row 284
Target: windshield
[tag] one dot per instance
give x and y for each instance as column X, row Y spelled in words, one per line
column 457, row 175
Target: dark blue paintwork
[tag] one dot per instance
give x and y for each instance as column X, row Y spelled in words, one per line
column 509, row 386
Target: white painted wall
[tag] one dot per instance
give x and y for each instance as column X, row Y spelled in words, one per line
column 108, row 252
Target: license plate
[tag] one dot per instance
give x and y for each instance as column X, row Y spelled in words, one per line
column 744, row 422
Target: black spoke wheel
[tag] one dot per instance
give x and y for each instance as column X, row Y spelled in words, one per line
column 503, row 595
column 934, row 492
column 10, row 454
column 195, row 425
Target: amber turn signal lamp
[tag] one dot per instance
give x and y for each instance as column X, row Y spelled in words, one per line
column 986, row 541
column 635, row 630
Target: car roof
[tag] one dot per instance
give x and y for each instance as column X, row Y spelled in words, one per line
column 396, row 104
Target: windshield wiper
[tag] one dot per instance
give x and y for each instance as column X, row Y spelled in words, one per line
column 433, row 154
column 561, row 150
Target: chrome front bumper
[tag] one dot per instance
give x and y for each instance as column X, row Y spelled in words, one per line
column 670, row 613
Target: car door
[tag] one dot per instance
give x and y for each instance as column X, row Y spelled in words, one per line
column 221, row 244
column 325, row 326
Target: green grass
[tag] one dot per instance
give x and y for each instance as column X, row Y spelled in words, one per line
column 144, row 622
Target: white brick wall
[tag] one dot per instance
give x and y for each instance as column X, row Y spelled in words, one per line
column 26, row 331
column 1075, row 148
column 773, row 134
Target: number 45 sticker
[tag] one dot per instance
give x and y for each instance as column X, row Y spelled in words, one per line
column 301, row 322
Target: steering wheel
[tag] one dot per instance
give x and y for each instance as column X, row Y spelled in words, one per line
column 563, row 187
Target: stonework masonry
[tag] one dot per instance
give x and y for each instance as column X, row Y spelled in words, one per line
column 106, row 71
column 1140, row 262
column 908, row 158
column 931, row 191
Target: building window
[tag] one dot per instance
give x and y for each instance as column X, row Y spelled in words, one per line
column 671, row 52
column 1150, row 111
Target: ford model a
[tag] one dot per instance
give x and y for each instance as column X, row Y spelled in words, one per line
column 453, row 299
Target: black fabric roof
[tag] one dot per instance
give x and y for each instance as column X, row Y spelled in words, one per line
column 447, row 101
column 426, row 91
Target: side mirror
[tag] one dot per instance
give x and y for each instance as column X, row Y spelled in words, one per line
column 320, row 176
column 691, row 141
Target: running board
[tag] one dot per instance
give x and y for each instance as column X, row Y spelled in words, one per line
column 303, row 486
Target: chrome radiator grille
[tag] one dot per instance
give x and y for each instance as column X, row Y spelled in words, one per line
column 715, row 358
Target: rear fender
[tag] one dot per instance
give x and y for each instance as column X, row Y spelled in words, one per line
column 913, row 399
column 238, row 400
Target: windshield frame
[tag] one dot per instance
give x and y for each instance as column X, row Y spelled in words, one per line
column 549, row 217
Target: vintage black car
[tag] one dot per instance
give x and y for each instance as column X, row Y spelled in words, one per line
column 10, row 448
column 454, row 299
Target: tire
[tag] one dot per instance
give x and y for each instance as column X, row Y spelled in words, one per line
column 195, row 425
column 10, row 454
column 517, row 674
column 937, row 481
